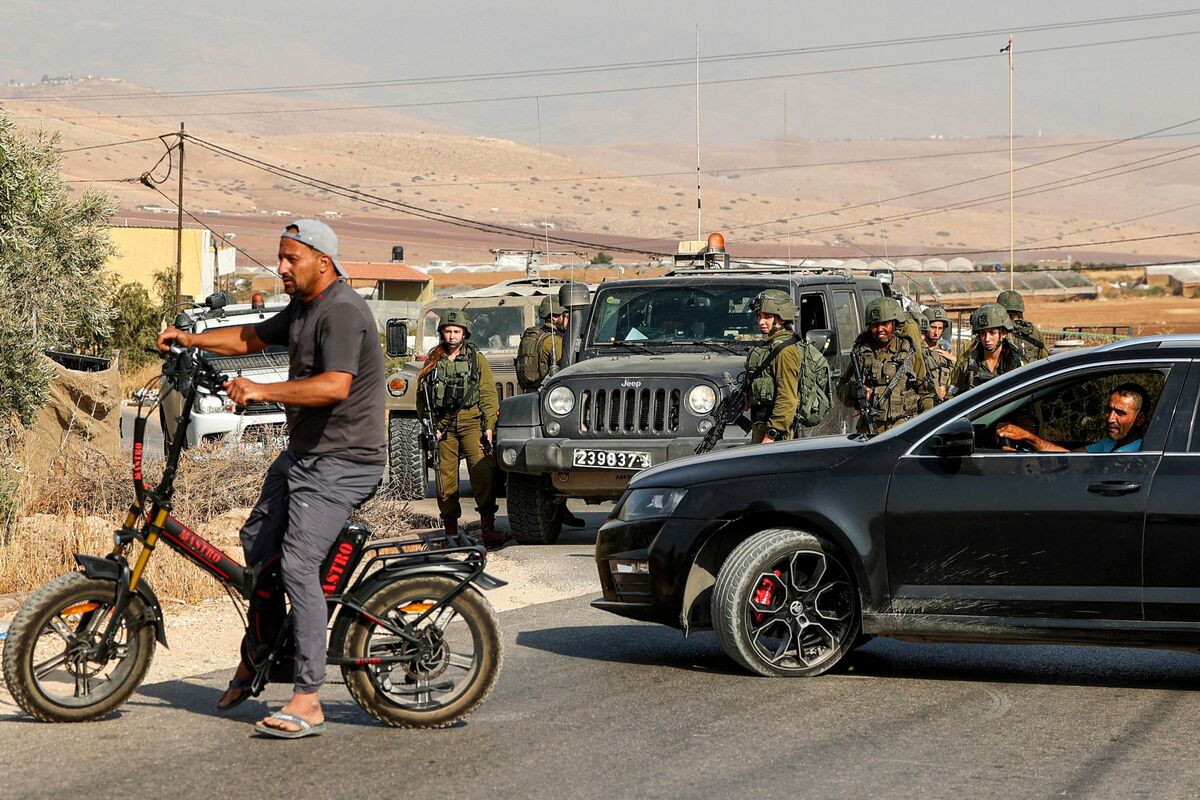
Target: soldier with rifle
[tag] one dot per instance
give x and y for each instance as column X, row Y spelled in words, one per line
column 888, row 382
column 458, row 406
column 1025, row 336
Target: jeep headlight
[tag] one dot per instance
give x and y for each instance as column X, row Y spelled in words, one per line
column 560, row 401
column 701, row 399
column 209, row 404
column 650, row 503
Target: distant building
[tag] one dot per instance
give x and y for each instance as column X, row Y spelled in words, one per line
column 142, row 251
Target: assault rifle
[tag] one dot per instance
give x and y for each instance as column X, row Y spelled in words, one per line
column 429, row 435
column 729, row 410
column 868, row 411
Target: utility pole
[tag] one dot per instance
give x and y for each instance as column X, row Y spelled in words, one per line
column 1012, row 215
column 179, row 225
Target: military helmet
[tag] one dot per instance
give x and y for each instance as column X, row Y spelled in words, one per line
column 777, row 302
column 921, row 320
column 990, row 315
column 937, row 314
column 884, row 309
column 1011, row 301
column 456, row 317
column 549, row 306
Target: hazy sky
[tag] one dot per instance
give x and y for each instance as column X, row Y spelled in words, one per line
column 1117, row 89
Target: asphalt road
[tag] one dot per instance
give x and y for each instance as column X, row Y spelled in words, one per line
column 589, row 705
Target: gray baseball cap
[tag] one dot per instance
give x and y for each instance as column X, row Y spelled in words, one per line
column 318, row 236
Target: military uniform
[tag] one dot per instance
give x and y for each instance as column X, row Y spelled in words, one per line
column 938, row 361
column 970, row 370
column 1024, row 335
column 910, row 393
column 461, row 393
column 775, row 393
column 1027, row 340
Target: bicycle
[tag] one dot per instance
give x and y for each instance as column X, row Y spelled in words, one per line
column 416, row 641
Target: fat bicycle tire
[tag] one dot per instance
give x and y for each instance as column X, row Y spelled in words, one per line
column 375, row 688
column 73, row 593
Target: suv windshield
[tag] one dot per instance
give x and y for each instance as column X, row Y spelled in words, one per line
column 492, row 327
column 667, row 314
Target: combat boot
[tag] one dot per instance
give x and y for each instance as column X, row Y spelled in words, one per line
column 450, row 525
column 569, row 519
column 492, row 538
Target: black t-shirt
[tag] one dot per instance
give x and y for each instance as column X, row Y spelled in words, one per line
column 334, row 333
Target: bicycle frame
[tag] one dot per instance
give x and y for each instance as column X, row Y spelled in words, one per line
column 348, row 577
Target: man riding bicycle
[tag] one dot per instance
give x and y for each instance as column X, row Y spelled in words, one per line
column 334, row 399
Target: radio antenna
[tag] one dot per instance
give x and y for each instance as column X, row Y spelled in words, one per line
column 699, row 221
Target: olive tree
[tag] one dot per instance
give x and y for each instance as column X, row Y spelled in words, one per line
column 52, row 254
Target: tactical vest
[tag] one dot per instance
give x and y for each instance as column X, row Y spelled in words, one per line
column 978, row 372
column 879, row 368
column 456, row 381
column 761, row 391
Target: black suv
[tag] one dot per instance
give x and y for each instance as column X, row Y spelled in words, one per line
column 937, row 530
column 655, row 357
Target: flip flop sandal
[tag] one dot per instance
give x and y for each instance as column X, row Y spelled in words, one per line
column 243, row 685
column 306, row 727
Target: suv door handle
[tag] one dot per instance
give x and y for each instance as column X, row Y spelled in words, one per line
column 1113, row 488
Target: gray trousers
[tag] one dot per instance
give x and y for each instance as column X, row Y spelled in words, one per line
column 303, row 505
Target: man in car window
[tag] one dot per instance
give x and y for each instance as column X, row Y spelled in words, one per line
column 1125, row 422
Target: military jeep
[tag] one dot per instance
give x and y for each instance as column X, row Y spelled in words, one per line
column 655, row 357
column 498, row 315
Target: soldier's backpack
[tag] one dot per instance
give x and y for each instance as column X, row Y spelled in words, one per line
column 815, row 386
column 528, row 354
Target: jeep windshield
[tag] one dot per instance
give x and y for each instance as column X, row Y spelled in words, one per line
column 492, row 327
column 674, row 315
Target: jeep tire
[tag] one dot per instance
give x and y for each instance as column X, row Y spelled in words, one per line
column 406, row 459
column 534, row 512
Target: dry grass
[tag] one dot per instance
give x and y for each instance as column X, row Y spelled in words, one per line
column 78, row 510
column 145, row 375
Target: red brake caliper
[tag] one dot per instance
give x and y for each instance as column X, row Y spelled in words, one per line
column 763, row 595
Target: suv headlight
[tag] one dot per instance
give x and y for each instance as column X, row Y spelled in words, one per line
column 650, row 503
column 560, row 401
column 701, row 399
column 209, row 404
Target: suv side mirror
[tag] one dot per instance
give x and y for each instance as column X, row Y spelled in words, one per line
column 955, row 439
column 820, row 338
column 397, row 338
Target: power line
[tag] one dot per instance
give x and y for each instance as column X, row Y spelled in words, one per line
column 1078, row 180
column 204, row 225
column 110, row 144
column 626, row 65
column 396, row 205
column 617, row 90
column 1101, row 146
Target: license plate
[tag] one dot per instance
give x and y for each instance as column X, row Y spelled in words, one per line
column 610, row 459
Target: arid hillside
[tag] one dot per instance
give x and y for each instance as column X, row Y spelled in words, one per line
column 845, row 198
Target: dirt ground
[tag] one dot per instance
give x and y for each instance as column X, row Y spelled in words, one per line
column 1146, row 315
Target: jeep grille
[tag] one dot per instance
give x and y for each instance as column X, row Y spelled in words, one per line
column 646, row 410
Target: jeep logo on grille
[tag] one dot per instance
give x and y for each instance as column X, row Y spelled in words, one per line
column 628, row 384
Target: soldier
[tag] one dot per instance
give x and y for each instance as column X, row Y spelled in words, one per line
column 939, row 326
column 990, row 353
column 886, row 381
column 938, row 360
column 456, row 385
column 542, row 347
column 773, row 391
column 1025, row 335
column 537, row 355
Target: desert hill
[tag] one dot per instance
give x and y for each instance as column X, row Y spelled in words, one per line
column 583, row 191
